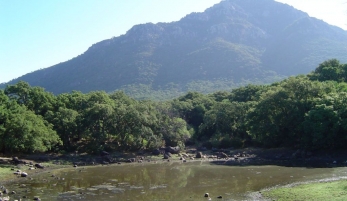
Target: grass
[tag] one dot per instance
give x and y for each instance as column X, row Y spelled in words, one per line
column 6, row 172
column 332, row 191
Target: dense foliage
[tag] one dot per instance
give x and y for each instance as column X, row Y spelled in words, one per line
column 308, row 112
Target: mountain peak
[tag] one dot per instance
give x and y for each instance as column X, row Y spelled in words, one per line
column 232, row 43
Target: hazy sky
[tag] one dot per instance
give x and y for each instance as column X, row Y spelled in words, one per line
column 40, row 33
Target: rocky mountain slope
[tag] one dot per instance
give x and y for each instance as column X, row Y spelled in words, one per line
column 232, row 43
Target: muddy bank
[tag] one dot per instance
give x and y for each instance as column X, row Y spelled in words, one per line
column 285, row 157
column 242, row 157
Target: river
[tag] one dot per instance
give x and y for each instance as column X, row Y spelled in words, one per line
column 164, row 181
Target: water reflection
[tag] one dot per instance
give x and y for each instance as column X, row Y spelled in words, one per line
column 165, row 181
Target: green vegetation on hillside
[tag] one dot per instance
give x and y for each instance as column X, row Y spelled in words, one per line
column 307, row 112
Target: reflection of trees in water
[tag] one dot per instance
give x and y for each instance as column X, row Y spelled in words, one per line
column 162, row 181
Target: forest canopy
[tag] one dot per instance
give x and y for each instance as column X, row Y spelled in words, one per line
column 305, row 111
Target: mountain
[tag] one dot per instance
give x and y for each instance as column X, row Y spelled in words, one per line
column 232, row 43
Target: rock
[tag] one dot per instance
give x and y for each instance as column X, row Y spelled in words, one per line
column 198, row 155
column 156, row 152
column 131, row 160
column 5, row 198
column 15, row 159
column 24, row 174
column 222, row 155
column 185, row 155
column 220, row 197
column 166, row 156
column 38, row 165
column 173, row 150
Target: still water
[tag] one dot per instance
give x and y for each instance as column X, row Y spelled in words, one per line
column 165, row 181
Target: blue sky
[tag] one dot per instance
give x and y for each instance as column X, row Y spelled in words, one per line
column 37, row 34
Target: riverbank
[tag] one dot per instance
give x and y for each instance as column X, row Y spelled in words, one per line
column 231, row 157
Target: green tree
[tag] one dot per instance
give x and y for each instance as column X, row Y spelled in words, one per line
column 19, row 92
column 23, row 131
column 65, row 124
column 325, row 124
column 247, row 93
column 329, row 70
column 276, row 119
column 98, row 119
column 320, row 127
column 225, row 123
column 192, row 108
column 175, row 132
column 35, row 99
